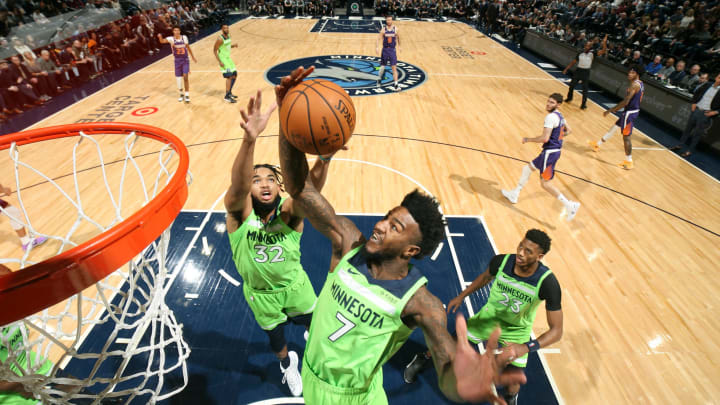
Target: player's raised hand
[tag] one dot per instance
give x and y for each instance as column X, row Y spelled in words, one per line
column 288, row 82
column 476, row 374
column 254, row 120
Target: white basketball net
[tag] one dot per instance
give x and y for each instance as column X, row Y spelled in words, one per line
column 142, row 354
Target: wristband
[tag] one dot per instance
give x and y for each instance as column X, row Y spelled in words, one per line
column 324, row 159
column 533, row 345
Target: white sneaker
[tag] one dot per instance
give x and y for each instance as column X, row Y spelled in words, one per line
column 291, row 375
column 181, row 98
column 187, row 98
column 511, row 195
column 572, row 209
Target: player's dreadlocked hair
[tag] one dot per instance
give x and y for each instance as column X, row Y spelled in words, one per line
column 425, row 211
column 276, row 172
column 539, row 237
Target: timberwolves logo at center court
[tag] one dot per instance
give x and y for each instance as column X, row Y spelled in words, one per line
column 357, row 74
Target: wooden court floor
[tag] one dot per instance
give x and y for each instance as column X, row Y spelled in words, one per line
column 636, row 265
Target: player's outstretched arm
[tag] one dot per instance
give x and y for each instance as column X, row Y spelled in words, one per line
column 237, row 197
column 540, row 139
column 481, row 281
column 162, row 40
column 634, row 89
column 187, row 45
column 463, row 374
column 343, row 234
column 381, row 38
column 319, row 171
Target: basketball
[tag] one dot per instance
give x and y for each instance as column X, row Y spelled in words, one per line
column 317, row 117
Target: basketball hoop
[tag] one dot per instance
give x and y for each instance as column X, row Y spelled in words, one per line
column 125, row 262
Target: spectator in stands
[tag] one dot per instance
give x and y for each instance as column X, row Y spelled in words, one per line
column 668, row 69
column 689, row 18
column 12, row 97
column 82, row 60
column 5, row 23
column 45, row 82
column 39, row 17
column 703, row 80
column 705, row 106
column 636, row 59
column 20, row 47
column 23, row 76
column 20, row 79
column 48, row 65
column 654, row 67
column 491, row 14
column 690, row 80
column 678, row 74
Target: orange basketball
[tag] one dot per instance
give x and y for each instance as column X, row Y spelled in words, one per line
column 317, row 117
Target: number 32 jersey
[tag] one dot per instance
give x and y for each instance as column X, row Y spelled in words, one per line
column 266, row 256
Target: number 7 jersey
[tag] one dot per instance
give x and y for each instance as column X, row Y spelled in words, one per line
column 266, row 256
column 357, row 325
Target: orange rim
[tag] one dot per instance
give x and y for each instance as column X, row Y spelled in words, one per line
column 44, row 284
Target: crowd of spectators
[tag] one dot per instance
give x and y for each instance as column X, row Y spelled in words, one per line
column 678, row 42
column 312, row 8
column 33, row 74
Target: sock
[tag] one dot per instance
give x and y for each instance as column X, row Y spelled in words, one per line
column 628, row 158
column 25, row 239
column 179, row 83
column 607, row 136
column 232, row 83
column 395, row 84
column 285, row 363
column 187, row 94
column 563, row 200
column 381, row 73
column 523, row 178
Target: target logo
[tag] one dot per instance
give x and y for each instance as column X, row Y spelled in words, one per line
column 141, row 112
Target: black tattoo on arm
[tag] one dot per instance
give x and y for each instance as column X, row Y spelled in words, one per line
column 341, row 231
column 428, row 313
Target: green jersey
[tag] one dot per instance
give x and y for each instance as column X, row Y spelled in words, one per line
column 266, row 256
column 356, row 325
column 224, row 53
column 514, row 300
column 12, row 336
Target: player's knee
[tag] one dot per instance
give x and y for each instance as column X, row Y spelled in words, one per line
column 277, row 338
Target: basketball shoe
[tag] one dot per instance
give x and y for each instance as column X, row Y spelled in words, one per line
column 291, row 375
